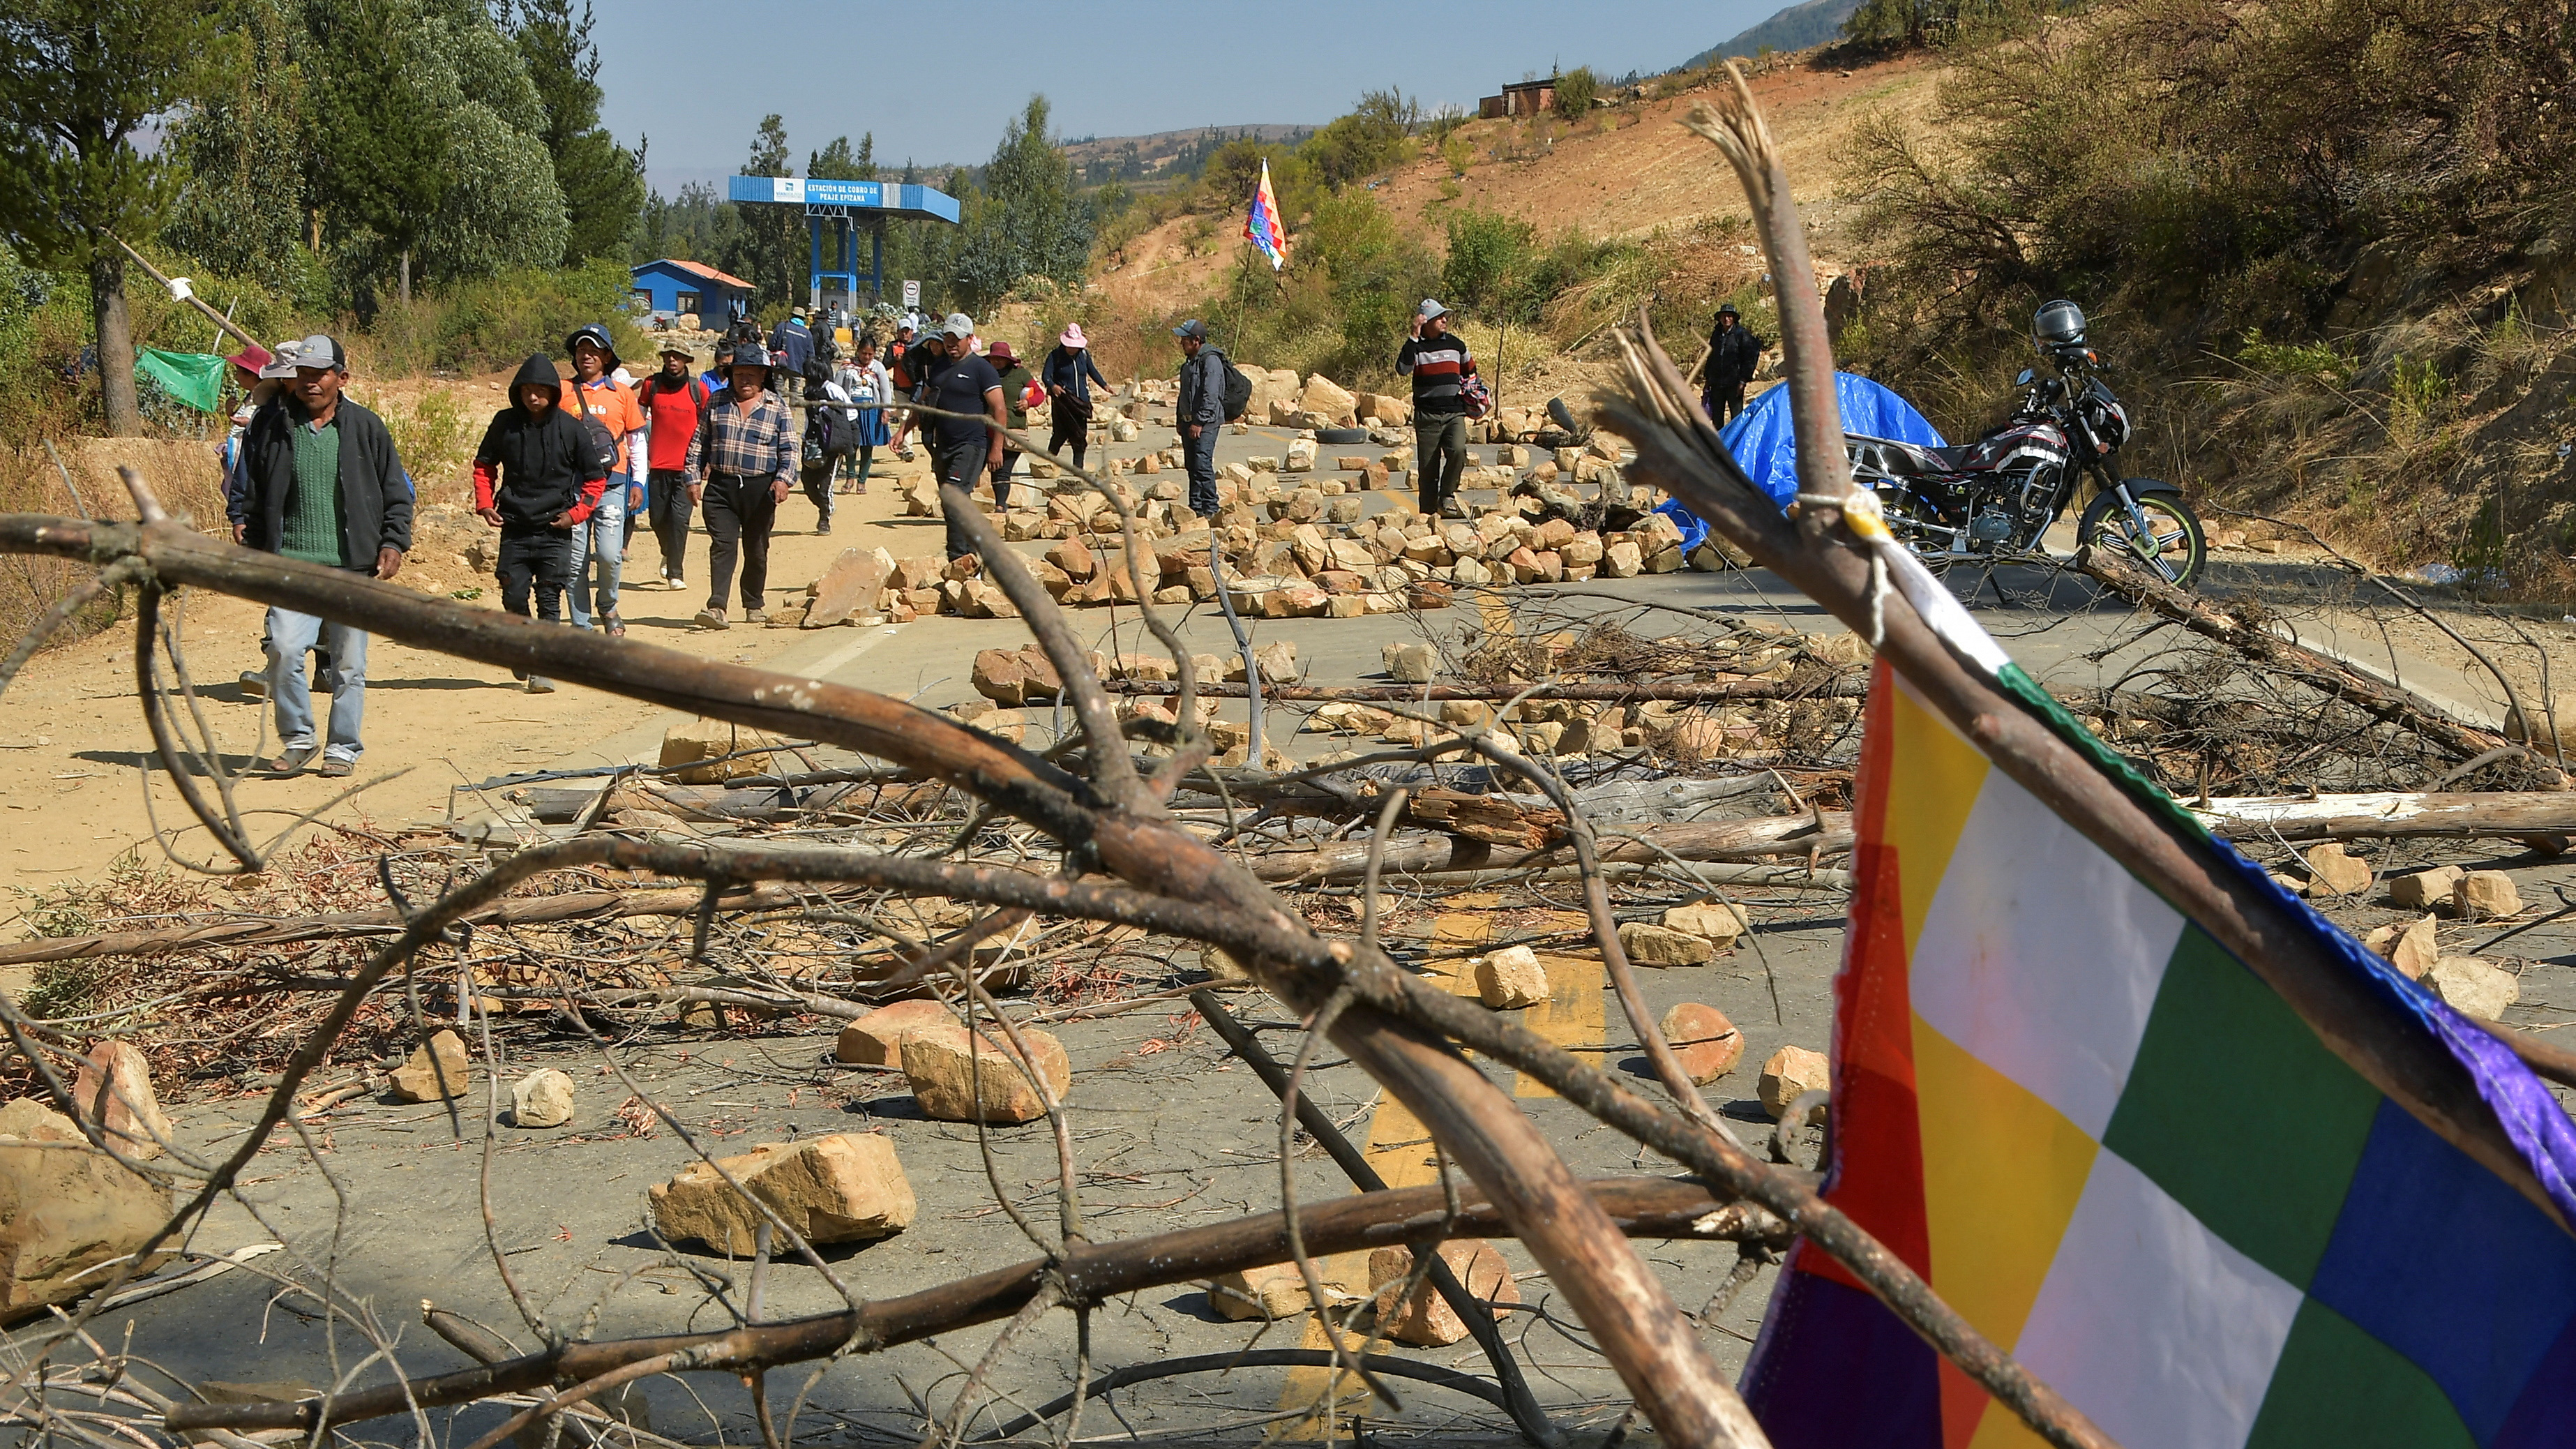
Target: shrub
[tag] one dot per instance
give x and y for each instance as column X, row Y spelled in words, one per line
column 1576, row 92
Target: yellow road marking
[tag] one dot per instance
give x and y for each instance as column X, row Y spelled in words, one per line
column 1399, row 1148
column 1572, row 1014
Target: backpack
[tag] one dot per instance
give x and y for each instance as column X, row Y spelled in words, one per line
column 829, row 432
column 1238, row 390
column 600, row 444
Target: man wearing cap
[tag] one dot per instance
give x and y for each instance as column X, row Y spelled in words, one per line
column 1199, row 414
column 600, row 539
column 962, row 449
column 1734, row 354
column 1068, row 373
column 675, row 407
column 792, row 346
column 324, row 487
column 1437, row 359
column 1017, row 382
column 741, row 465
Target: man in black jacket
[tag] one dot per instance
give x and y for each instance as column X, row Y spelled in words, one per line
column 1734, row 354
column 323, row 486
column 1198, row 413
column 536, row 475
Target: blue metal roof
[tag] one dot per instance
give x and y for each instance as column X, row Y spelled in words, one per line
column 894, row 199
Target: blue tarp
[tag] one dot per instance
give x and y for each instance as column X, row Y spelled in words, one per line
column 1763, row 444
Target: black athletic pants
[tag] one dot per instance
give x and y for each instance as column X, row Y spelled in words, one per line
column 671, row 510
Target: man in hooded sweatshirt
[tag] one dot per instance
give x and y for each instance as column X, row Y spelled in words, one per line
column 536, row 478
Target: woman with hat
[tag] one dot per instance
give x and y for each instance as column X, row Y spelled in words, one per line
column 1017, row 384
column 870, row 387
column 1068, row 373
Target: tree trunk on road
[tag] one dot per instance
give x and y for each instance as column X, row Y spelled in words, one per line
column 114, row 330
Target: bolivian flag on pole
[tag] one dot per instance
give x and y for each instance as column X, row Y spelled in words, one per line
column 2133, row 1165
column 1261, row 224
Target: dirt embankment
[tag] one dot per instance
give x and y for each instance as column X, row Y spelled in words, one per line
column 1623, row 171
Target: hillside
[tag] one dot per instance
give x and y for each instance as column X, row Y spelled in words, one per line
column 1627, row 171
column 1799, row 26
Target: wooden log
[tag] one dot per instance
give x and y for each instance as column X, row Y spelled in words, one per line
column 362, row 925
column 1821, row 832
column 2392, row 815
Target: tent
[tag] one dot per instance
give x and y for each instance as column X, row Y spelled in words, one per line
column 1765, row 447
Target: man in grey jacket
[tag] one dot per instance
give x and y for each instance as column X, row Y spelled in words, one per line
column 1200, row 414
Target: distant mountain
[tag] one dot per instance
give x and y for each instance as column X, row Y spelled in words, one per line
column 1164, row 146
column 1796, row 28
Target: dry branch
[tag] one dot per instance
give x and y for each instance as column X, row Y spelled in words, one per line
column 1643, row 1207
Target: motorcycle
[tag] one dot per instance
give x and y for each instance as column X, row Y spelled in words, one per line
column 1992, row 500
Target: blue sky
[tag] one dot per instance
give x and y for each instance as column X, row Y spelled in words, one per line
column 937, row 82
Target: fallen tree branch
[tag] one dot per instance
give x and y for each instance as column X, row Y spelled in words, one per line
column 2393, row 815
column 1643, row 1207
column 1822, row 832
column 2387, row 703
column 1853, row 686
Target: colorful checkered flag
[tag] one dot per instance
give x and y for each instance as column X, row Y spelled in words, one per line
column 1262, row 226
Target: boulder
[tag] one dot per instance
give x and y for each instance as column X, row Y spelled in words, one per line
column 65, row 1210
column 1652, row 945
column 845, row 1188
column 946, row 1073
column 1411, row 663
column 1301, row 457
column 1425, row 1319
column 541, row 1099
column 114, row 1092
column 1714, row 921
column 848, row 587
column 2476, row 988
column 2332, row 867
column 1511, row 978
column 1707, row 1042
column 1324, row 399
column 437, row 1069
column 1274, row 1290
column 2424, row 890
column 1791, row 1073
column 710, row 741
column 1077, row 561
column 2484, row 894
column 1014, row 676
column 2414, row 950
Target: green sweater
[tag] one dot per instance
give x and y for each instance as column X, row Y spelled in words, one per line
column 316, row 523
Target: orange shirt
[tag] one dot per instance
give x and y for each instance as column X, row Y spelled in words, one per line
column 612, row 405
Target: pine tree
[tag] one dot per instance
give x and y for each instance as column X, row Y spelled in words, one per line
column 77, row 79
column 385, row 163
column 602, row 182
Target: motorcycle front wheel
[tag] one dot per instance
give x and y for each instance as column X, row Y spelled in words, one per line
column 2172, row 546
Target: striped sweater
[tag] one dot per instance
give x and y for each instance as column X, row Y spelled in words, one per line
column 1436, row 364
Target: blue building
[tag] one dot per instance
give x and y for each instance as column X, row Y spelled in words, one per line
column 669, row 287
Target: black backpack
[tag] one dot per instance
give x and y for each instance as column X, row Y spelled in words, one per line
column 599, row 443
column 829, row 431
column 1238, row 389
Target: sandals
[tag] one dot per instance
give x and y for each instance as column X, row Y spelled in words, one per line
column 615, row 627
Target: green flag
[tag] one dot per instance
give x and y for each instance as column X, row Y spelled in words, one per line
column 194, row 378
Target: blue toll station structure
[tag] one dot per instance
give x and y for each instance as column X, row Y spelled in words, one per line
column 840, row 210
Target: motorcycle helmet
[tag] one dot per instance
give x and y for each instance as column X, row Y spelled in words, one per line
column 2058, row 324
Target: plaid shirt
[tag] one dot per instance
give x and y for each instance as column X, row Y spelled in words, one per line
column 758, row 440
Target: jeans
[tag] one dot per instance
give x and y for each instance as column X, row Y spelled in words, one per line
column 961, row 464
column 1439, row 456
column 671, row 513
column 855, row 465
column 1200, row 454
column 741, row 510
column 289, row 635
column 600, row 539
column 1002, row 479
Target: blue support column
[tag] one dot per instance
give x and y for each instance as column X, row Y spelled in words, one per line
column 814, row 273
column 876, row 261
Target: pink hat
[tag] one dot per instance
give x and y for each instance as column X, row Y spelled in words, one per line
column 1073, row 336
